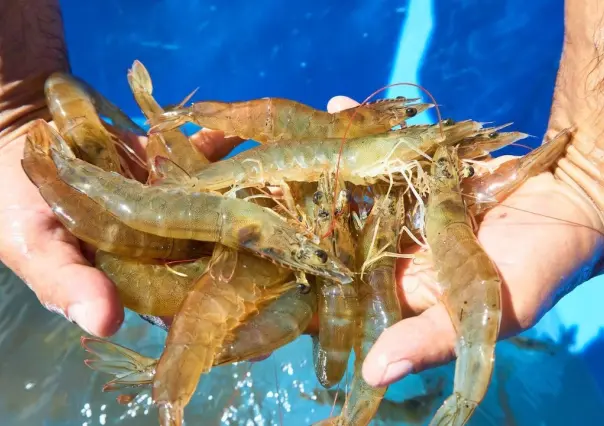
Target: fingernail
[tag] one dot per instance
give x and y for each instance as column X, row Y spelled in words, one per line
column 397, row 370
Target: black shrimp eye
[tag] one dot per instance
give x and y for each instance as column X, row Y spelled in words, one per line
column 321, row 254
column 493, row 135
column 470, row 171
column 317, row 197
column 448, row 122
column 411, row 112
column 303, row 288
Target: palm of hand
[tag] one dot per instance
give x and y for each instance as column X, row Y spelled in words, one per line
column 47, row 257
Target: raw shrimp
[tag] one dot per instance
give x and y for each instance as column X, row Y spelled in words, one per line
column 478, row 189
column 338, row 304
column 169, row 211
column 275, row 119
column 411, row 411
column 485, row 191
column 278, row 323
column 364, row 160
column 379, row 307
column 151, row 287
column 233, row 288
column 76, row 117
column 172, row 144
column 471, row 289
column 83, row 217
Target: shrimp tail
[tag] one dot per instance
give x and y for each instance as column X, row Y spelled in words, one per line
column 169, row 120
column 130, row 368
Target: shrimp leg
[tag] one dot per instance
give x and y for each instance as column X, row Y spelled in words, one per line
column 471, row 289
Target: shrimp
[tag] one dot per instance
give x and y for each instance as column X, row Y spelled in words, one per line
column 471, row 289
column 232, row 288
column 338, row 304
column 478, row 146
column 485, row 191
column 172, row 144
column 378, row 303
column 83, row 217
column 364, row 160
column 106, row 108
column 275, row 119
column 411, row 411
column 68, row 99
column 151, row 287
column 169, row 211
column 276, row 324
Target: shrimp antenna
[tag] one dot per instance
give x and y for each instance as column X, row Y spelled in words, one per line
column 335, row 186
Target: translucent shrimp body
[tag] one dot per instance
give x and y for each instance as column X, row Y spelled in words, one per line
column 170, row 211
column 471, row 289
column 276, row 120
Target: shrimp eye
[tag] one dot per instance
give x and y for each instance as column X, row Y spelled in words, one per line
column 469, row 171
column 322, row 255
column 448, row 122
column 493, row 135
column 317, row 197
column 411, row 112
column 303, row 288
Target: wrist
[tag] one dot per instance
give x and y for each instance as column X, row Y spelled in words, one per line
column 579, row 102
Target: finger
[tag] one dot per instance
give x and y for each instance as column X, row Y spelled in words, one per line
column 410, row 346
column 213, row 143
column 67, row 284
column 339, row 103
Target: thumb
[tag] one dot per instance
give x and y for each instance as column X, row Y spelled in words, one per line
column 339, row 103
column 411, row 346
column 67, row 284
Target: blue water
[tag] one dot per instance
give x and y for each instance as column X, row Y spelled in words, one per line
column 485, row 60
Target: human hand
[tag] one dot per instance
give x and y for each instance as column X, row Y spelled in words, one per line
column 50, row 260
column 539, row 250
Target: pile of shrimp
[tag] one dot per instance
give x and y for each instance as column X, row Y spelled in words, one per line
column 235, row 258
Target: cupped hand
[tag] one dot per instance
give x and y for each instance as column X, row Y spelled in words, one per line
column 51, row 261
column 545, row 239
